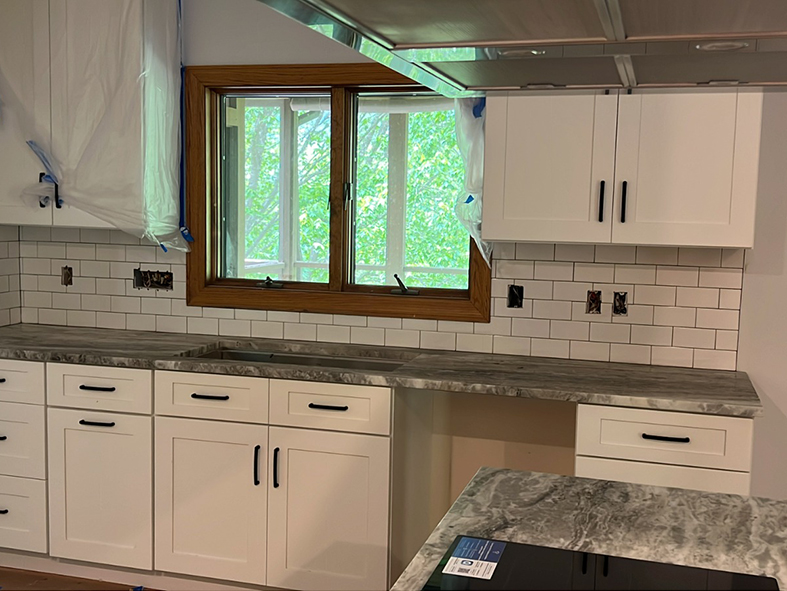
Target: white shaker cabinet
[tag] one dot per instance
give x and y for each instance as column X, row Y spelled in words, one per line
column 100, row 487
column 328, row 510
column 24, row 68
column 680, row 167
column 211, row 499
column 689, row 160
column 549, row 166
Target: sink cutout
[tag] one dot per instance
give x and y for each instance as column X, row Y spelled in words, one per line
column 285, row 358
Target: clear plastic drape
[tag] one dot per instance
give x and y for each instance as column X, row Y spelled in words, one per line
column 470, row 118
column 115, row 144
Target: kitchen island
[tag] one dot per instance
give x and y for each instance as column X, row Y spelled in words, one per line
column 673, row 526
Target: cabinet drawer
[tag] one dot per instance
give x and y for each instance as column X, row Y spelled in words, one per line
column 23, row 521
column 211, row 396
column 708, row 441
column 99, row 388
column 21, row 381
column 337, row 407
column 718, row 481
column 22, row 440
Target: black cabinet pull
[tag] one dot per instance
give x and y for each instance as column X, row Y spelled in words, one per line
column 2, row 380
column 97, row 388
column 3, row 511
column 256, row 465
column 96, row 424
column 601, row 201
column 3, row 437
column 605, row 569
column 584, row 563
column 210, row 396
column 623, row 195
column 328, row 407
column 276, row 468
column 666, row 438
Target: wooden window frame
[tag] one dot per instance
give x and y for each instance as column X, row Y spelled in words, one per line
column 204, row 85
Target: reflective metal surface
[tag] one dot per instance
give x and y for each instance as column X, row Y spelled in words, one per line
column 298, row 359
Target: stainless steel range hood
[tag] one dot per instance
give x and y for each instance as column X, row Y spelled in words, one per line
column 466, row 47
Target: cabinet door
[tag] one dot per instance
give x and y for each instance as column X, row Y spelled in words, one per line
column 211, row 499
column 328, row 510
column 24, row 68
column 546, row 158
column 100, row 487
column 690, row 161
column 81, row 77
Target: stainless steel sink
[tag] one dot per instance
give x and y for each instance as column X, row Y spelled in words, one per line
column 303, row 359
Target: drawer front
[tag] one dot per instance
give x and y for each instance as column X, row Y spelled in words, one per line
column 211, row 396
column 22, row 440
column 717, row 481
column 336, row 407
column 23, row 514
column 99, row 388
column 706, row 441
column 21, row 381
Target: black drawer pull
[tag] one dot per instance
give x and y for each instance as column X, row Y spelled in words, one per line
column 3, row 437
column 3, row 511
column 601, row 201
column 623, row 196
column 2, row 380
column 328, row 407
column 666, row 438
column 97, row 388
column 96, row 424
column 257, row 465
column 210, row 396
column 276, row 468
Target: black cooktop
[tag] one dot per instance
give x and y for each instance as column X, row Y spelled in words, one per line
column 485, row 565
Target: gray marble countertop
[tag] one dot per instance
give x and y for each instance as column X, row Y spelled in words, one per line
column 669, row 525
column 615, row 384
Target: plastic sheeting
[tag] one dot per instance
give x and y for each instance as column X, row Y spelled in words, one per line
column 115, row 144
column 470, row 119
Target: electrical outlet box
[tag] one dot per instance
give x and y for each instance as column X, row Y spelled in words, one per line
column 516, row 296
column 144, row 279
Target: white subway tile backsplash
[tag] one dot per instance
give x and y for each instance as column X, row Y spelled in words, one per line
column 657, row 255
column 511, row 345
column 680, row 300
column 553, row 271
column 730, row 278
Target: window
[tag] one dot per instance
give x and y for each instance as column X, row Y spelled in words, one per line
column 312, row 188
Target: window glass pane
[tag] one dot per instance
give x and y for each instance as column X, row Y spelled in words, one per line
column 275, row 179
column 409, row 173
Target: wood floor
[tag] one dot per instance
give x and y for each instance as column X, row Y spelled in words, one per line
column 21, row 580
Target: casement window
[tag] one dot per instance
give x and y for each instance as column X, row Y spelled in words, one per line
column 313, row 188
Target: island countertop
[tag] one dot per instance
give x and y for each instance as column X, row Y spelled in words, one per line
column 614, row 384
column 669, row 525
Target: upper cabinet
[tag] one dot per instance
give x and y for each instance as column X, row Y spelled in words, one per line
column 666, row 167
column 97, row 83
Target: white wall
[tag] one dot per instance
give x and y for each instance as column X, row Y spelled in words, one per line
column 220, row 32
column 762, row 350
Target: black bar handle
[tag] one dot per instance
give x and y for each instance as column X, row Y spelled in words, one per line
column 605, row 569
column 3, row 437
column 96, row 424
column 2, row 380
column 256, row 465
column 3, row 511
column 97, row 388
column 584, row 563
column 666, row 438
column 623, row 195
column 328, row 407
column 210, row 396
column 276, row 468
column 601, row 201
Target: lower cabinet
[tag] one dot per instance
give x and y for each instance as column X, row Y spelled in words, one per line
column 100, row 487
column 211, row 498
column 23, row 514
column 328, row 510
